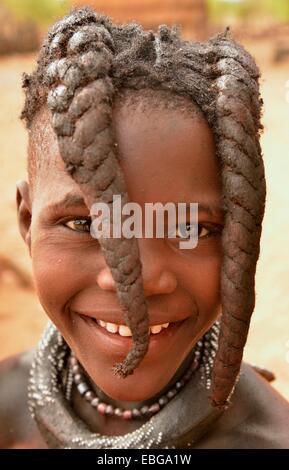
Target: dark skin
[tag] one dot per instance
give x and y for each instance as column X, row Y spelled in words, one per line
column 165, row 156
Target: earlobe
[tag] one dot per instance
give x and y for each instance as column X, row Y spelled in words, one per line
column 24, row 211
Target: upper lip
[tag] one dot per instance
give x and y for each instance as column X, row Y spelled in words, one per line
column 117, row 317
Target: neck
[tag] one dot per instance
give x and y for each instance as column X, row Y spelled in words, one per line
column 150, row 400
column 182, row 422
column 112, row 425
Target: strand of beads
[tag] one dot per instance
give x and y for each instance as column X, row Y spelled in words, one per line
column 79, row 379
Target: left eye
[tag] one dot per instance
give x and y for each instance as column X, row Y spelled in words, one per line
column 185, row 230
column 78, row 225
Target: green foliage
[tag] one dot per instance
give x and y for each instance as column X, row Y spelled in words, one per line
column 279, row 8
column 242, row 9
column 42, row 12
column 220, row 8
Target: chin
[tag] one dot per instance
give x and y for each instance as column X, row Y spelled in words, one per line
column 132, row 389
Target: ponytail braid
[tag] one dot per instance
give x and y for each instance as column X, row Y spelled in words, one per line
column 80, row 98
column 237, row 130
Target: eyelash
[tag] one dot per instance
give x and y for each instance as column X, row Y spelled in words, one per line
column 213, row 230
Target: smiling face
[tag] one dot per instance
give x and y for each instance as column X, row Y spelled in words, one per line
column 166, row 156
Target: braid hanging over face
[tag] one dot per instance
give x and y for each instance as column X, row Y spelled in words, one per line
column 84, row 62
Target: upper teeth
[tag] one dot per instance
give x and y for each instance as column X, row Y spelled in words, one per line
column 124, row 330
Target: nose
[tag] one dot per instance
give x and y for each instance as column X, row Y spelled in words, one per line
column 158, row 277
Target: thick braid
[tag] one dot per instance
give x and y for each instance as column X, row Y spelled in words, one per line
column 232, row 106
column 80, row 98
column 237, row 131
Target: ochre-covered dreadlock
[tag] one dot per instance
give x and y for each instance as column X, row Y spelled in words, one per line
column 84, row 62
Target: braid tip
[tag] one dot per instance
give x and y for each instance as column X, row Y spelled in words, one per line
column 121, row 371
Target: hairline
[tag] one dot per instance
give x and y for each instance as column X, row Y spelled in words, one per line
column 147, row 99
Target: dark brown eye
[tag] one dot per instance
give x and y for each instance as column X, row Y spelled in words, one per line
column 78, row 225
column 186, row 230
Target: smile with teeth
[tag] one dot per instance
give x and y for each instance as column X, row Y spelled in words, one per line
column 124, row 330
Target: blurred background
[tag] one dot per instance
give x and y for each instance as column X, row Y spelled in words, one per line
column 263, row 27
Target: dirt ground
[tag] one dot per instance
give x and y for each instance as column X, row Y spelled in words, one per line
column 21, row 316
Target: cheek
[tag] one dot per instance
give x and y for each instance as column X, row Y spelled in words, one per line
column 54, row 273
column 61, row 272
column 201, row 277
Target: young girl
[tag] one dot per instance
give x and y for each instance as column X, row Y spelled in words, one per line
column 145, row 345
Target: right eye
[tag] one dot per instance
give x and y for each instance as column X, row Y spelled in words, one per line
column 78, row 224
column 187, row 230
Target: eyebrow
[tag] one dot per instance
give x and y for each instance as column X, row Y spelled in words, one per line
column 211, row 209
column 76, row 200
column 69, row 200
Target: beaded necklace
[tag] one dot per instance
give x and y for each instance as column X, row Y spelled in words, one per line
column 170, row 426
column 76, row 376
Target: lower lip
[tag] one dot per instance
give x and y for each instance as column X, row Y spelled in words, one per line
column 122, row 344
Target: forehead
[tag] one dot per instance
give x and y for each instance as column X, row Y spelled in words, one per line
column 166, row 147
column 166, row 151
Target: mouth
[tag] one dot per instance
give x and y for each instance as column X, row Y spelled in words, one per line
column 124, row 330
column 112, row 340
column 116, row 338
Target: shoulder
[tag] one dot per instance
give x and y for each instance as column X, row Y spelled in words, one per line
column 17, row 428
column 258, row 417
column 267, row 411
column 18, row 364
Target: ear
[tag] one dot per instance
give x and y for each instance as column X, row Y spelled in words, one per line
column 24, row 211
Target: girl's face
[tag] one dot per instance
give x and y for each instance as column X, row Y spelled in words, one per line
column 166, row 156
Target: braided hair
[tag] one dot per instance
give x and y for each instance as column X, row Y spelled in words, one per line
column 85, row 61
